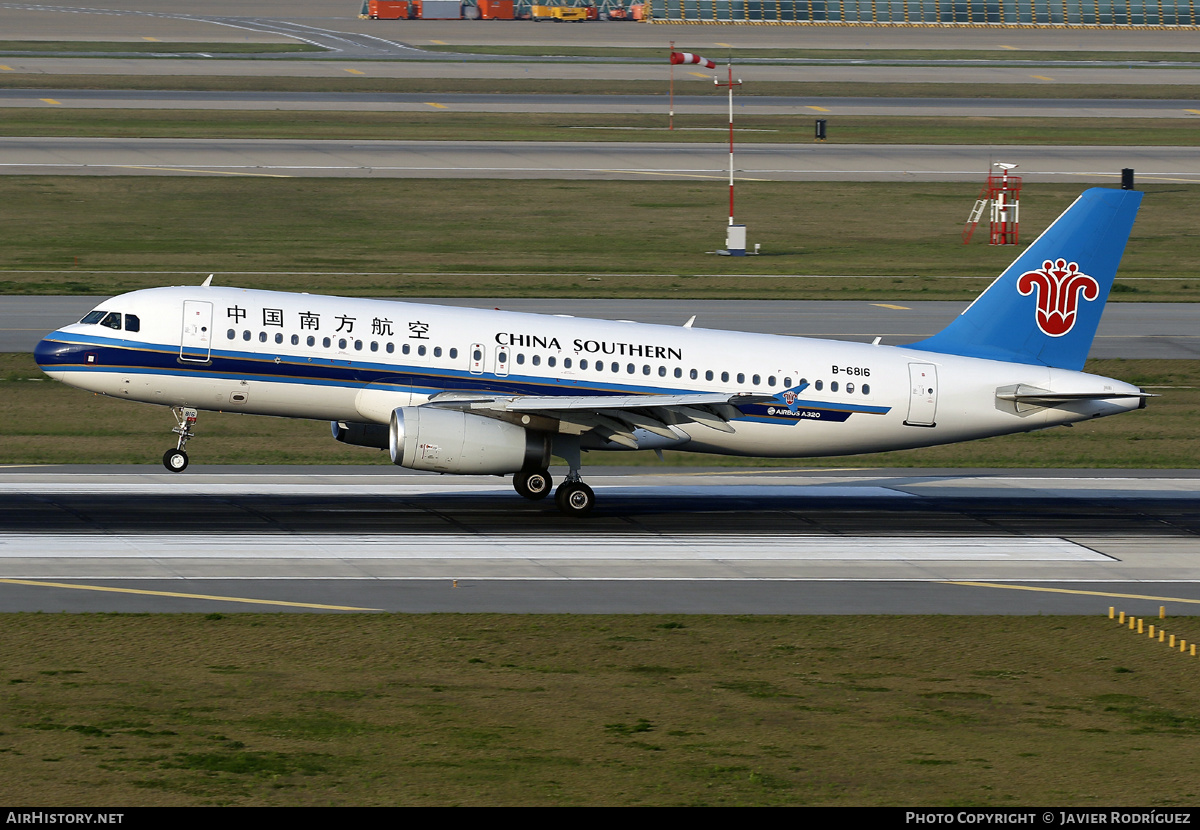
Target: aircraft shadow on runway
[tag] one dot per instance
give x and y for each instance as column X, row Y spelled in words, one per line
column 623, row 510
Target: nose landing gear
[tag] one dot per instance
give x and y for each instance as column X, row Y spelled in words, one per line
column 176, row 460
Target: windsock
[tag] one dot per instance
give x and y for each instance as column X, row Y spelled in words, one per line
column 688, row 57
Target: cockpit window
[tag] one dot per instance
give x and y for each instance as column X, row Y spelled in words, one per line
column 132, row 323
column 93, row 317
column 112, row 320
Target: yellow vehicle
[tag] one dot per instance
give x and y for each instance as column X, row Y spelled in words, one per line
column 569, row 13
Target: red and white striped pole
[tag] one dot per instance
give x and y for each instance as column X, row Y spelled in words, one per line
column 671, row 106
column 735, row 238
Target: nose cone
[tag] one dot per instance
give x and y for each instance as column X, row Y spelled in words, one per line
column 51, row 354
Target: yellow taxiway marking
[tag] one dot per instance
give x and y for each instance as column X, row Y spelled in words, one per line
column 1195, row 111
column 818, row 109
column 151, row 39
column 108, row 589
column 431, row 104
column 889, row 305
column 51, row 101
column 1004, row 46
column 726, row 45
column 699, row 74
column 1071, row 591
column 7, row 68
column 1041, row 77
column 355, row 71
column 439, row 42
column 189, row 170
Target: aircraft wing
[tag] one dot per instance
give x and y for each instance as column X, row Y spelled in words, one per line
column 612, row 417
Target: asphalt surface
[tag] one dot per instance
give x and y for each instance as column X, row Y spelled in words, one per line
column 582, row 160
column 51, row 98
column 223, row 21
column 866, row 541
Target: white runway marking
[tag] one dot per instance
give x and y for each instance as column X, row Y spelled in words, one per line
column 571, row 548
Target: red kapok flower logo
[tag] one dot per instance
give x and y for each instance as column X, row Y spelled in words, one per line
column 1059, row 285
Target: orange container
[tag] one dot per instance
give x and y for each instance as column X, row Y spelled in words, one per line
column 387, row 9
column 496, row 9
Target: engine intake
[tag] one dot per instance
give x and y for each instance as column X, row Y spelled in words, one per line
column 449, row 441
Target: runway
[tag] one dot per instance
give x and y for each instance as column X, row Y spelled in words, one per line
column 764, row 541
column 581, row 160
column 1128, row 330
column 52, row 98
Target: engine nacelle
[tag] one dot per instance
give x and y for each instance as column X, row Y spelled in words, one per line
column 449, row 441
column 360, row 435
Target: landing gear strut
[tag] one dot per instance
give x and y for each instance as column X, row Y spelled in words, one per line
column 572, row 497
column 533, row 484
column 176, row 460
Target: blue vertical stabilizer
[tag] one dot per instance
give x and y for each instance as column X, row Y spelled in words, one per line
column 1044, row 309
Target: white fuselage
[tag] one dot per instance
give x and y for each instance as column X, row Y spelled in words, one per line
column 356, row 360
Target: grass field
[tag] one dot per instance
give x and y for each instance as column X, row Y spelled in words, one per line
column 442, row 125
column 45, row 422
column 315, row 710
column 411, row 237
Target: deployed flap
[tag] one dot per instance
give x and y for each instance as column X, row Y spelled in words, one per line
column 616, row 417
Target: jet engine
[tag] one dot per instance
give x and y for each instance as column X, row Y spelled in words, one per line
column 449, row 441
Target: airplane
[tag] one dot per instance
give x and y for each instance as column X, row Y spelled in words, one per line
column 472, row 391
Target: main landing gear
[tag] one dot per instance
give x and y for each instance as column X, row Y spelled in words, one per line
column 176, row 460
column 572, row 497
